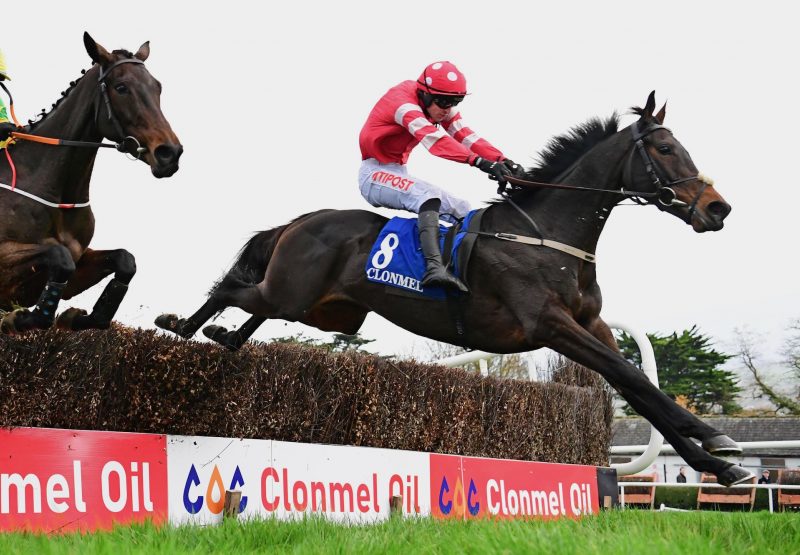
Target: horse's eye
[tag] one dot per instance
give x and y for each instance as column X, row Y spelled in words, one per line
column 121, row 88
column 664, row 149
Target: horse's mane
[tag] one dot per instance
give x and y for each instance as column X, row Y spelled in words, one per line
column 564, row 150
column 32, row 124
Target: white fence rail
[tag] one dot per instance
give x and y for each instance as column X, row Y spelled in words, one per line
column 651, row 451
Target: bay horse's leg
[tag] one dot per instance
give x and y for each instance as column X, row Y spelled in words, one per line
column 187, row 327
column 18, row 261
column 92, row 268
column 687, row 424
column 576, row 343
column 234, row 339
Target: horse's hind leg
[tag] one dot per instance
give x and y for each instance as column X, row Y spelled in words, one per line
column 234, row 339
column 19, row 263
column 92, row 268
column 187, row 327
column 574, row 342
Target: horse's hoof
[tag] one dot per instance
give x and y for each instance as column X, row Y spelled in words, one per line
column 8, row 325
column 215, row 333
column 721, row 445
column 173, row 323
column 734, row 475
column 66, row 320
column 168, row 322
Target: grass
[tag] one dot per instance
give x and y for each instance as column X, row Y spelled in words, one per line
column 612, row 532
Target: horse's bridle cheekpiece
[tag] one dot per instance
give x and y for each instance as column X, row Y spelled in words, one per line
column 664, row 194
column 128, row 144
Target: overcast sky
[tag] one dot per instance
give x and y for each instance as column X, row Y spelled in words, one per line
column 268, row 100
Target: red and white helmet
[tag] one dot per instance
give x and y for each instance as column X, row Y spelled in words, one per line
column 442, row 78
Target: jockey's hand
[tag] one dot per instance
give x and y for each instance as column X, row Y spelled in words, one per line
column 496, row 170
column 515, row 169
column 6, row 128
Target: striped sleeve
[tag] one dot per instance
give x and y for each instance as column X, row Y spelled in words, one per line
column 431, row 136
column 462, row 134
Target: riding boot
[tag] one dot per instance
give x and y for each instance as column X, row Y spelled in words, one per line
column 435, row 272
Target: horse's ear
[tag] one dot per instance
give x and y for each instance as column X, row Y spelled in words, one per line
column 661, row 113
column 647, row 112
column 143, row 52
column 96, row 52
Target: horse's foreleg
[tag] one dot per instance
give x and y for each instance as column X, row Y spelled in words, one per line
column 92, row 268
column 574, row 342
column 684, row 421
column 57, row 261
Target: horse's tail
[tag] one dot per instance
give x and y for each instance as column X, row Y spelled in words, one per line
column 253, row 258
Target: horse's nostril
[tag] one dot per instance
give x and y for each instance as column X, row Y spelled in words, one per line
column 719, row 209
column 167, row 154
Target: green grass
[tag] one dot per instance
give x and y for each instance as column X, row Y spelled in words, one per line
column 612, row 532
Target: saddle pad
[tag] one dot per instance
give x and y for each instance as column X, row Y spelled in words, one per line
column 396, row 257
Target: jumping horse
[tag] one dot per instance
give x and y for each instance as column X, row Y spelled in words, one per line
column 46, row 223
column 526, row 292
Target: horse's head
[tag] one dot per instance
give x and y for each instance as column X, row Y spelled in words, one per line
column 659, row 161
column 129, row 108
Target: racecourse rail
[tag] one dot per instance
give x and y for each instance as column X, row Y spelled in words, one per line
column 651, row 450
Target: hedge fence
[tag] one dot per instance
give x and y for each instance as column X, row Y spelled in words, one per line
column 138, row 380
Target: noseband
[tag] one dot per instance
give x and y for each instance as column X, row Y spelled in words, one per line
column 664, row 194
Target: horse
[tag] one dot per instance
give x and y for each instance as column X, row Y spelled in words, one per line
column 46, row 222
column 526, row 292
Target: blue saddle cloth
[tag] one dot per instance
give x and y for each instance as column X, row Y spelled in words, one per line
column 396, row 257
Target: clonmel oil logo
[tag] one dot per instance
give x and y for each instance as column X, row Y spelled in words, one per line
column 197, row 495
column 455, row 504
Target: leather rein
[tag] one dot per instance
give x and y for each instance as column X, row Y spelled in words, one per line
column 128, row 144
column 664, row 194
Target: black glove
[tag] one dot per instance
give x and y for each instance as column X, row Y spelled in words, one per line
column 496, row 170
column 6, row 128
column 515, row 169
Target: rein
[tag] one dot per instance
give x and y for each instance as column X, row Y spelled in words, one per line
column 127, row 145
column 664, row 195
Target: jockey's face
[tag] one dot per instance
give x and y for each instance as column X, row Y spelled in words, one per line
column 437, row 114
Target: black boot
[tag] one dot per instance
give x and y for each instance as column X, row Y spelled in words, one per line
column 435, row 272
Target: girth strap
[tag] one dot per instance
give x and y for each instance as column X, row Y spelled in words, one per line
column 578, row 253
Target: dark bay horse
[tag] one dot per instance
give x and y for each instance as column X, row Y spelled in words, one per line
column 523, row 297
column 45, row 221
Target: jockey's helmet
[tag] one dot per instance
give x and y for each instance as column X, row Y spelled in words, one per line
column 3, row 70
column 442, row 78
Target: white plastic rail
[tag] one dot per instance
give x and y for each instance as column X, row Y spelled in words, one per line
column 651, row 451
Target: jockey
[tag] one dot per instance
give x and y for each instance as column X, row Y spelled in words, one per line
column 411, row 113
column 6, row 127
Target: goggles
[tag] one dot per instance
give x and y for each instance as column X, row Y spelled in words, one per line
column 446, row 101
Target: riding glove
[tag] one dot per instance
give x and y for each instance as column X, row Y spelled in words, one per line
column 496, row 170
column 515, row 169
column 6, row 128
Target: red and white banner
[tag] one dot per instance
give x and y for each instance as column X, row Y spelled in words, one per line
column 52, row 480
column 468, row 487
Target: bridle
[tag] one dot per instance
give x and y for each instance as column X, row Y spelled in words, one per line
column 128, row 144
column 664, row 194
column 125, row 140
